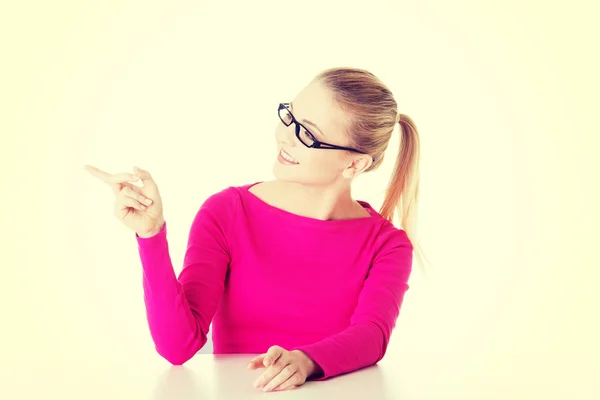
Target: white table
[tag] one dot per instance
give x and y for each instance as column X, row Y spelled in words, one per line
column 206, row 376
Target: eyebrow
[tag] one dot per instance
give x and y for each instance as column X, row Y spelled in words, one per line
column 308, row 122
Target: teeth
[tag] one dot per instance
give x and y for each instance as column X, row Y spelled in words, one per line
column 287, row 157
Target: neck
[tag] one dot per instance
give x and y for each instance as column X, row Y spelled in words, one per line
column 331, row 202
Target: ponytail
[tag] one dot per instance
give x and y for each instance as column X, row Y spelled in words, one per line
column 402, row 192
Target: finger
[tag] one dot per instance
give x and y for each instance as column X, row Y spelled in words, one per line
column 129, row 192
column 111, row 178
column 293, row 382
column 285, row 387
column 116, row 182
column 256, row 362
column 117, row 187
column 96, row 172
column 130, row 186
column 269, row 374
column 123, row 177
column 126, row 201
column 143, row 174
column 280, row 378
column 272, row 355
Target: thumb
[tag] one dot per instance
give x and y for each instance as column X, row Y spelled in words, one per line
column 256, row 362
column 143, row 174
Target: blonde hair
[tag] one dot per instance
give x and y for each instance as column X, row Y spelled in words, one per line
column 373, row 115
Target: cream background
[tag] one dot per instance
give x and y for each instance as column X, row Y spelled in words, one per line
column 503, row 95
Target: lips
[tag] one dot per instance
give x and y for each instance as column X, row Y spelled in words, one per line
column 288, row 157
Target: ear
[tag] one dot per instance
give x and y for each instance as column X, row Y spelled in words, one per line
column 356, row 166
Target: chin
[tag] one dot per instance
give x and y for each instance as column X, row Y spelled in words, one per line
column 299, row 176
column 280, row 173
column 286, row 174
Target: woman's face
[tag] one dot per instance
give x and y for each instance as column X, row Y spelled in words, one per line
column 315, row 109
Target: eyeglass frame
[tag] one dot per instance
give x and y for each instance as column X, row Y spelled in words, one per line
column 317, row 144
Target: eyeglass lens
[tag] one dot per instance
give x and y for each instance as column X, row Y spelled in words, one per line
column 304, row 136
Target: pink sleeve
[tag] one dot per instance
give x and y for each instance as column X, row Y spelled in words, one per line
column 180, row 310
column 365, row 341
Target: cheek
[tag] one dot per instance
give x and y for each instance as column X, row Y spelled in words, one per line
column 315, row 159
column 326, row 164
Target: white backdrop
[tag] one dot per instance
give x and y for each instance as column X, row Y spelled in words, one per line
column 502, row 95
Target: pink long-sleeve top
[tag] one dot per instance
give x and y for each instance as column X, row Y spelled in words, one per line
column 264, row 276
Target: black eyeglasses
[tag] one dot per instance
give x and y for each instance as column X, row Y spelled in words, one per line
column 304, row 135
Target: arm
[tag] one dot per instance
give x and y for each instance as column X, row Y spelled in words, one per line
column 365, row 340
column 180, row 310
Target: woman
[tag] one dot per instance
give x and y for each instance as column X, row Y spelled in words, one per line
column 294, row 268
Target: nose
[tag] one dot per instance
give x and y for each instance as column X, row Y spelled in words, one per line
column 286, row 134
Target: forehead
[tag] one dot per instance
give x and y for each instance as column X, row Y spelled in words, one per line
column 316, row 103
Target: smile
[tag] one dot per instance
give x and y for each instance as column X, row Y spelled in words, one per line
column 285, row 158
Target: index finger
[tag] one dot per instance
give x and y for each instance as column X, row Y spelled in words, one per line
column 258, row 360
column 110, row 178
column 272, row 355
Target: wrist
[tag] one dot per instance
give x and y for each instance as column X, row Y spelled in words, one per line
column 311, row 368
column 153, row 232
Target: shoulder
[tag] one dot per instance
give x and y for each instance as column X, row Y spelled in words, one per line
column 219, row 210
column 391, row 236
column 393, row 243
column 225, row 200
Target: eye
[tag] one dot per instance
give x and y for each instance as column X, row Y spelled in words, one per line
column 306, row 137
column 286, row 115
